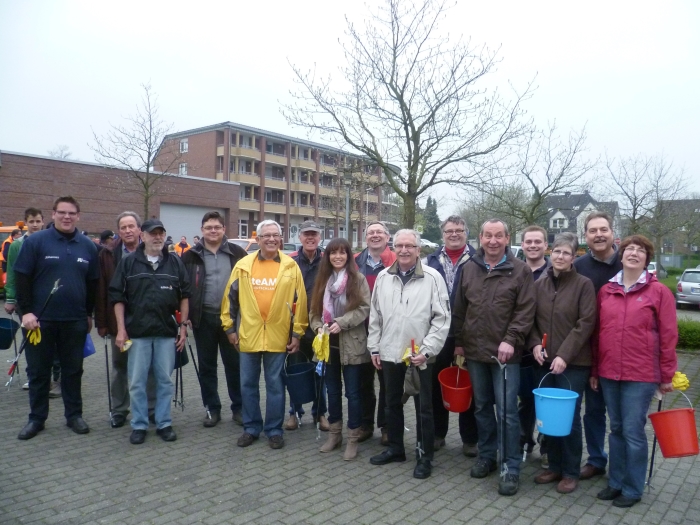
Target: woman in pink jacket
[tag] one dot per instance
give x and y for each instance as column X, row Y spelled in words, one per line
column 634, row 353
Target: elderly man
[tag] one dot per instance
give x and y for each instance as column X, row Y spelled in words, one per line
column 147, row 289
column 255, row 313
column 600, row 265
column 209, row 265
column 494, row 308
column 449, row 260
column 534, row 244
column 66, row 316
column 370, row 262
column 308, row 259
column 409, row 304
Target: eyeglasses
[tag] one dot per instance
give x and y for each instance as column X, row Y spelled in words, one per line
column 400, row 247
column 561, row 253
column 213, row 228
column 268, row 236
column 635, row 250
column 69, row 213
column 453, row 232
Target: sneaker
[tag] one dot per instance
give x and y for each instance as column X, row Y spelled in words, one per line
column 482, row 468
column 55, row 391
column 292, row 423
column 471, row 450
column 276, row 441
column 25, row 386
column 508, row 486
column 246, row 439
column 544, row 462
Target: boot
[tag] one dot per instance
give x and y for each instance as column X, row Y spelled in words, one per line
column 351, row 448
column 335, row 437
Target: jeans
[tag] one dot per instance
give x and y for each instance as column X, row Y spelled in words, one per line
column 394, row 375
column 369, row 399
column 351, row 374
column 146, row 354
column 487, row 383
column 119, row 383
column 441, row 416
column 628, row 404
column 594, row 428
column 212, row 340
column 564, row 452
column 65, row 341
column 307, row 350
column 272, row 363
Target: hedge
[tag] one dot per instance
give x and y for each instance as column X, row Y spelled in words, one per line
column 688, row 334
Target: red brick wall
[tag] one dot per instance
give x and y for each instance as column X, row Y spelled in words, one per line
column 34, row 181
column 200, row 157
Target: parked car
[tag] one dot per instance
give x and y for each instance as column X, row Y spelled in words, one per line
column 291, row 247
column 249, row 245
column 425, row 243
column 518, row 252
column 688, row 287
column 657, row 270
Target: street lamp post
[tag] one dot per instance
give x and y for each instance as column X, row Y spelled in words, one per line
column 347, row 180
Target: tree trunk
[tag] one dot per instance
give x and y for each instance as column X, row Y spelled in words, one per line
column 408, row 219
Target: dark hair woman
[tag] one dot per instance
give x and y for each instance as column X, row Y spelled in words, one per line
column 340, row 304
column 566, row 312
column 634, row 353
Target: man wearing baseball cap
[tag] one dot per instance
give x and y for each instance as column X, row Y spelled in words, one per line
column 147, row 288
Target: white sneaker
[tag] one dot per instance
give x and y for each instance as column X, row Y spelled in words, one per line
column 25, row 386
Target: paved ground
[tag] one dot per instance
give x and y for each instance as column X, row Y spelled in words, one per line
column 62, row 478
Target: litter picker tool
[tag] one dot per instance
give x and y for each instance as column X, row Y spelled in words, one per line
column 178, row 371
column 178, row 317
column 32, row 334
column 660, row 396
column 504, row 464
column 14, row 325
column 109, row 386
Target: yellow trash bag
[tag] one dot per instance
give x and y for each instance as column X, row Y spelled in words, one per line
column 680, row 381
column 407, row 353
column 322, row 345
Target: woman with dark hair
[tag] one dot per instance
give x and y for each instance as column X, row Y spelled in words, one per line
column 566, row 313
column 340, row 304
column 634, row 354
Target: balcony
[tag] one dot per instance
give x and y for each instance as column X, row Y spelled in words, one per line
column 246, row 178
column 275, row 182
column 306, row 187
column 219, row 150
column 249, row 204
column 247, row 152
column 275, row 207
column 304, row 163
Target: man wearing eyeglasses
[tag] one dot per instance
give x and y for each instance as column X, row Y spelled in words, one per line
column 209, row 264
column 409, row 304
column 57, row 253
column 494, row 308
column 256, row 316
column 449, row 260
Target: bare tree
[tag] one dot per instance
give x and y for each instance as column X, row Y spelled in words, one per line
column 60, row 152
column 648, row 189
column 543, row 165
column 133, row 148
column 479, row 206
column 410, row 102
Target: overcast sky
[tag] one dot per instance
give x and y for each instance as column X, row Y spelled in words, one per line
column 628, row 70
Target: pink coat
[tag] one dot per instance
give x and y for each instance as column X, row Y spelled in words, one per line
column 637, row 333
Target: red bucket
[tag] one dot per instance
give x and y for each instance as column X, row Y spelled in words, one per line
column 456, row 389
column 676, row 432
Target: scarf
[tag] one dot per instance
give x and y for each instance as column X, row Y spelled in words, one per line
column 334, row 298
column 450, row 268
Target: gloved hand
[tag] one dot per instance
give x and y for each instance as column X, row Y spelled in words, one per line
column 680, row 381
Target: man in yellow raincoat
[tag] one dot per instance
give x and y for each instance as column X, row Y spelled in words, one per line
column 255, row 313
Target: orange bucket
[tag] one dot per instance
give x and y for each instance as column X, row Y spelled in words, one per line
column 676, row 432
column 456, row 389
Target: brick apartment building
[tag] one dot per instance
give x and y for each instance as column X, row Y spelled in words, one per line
column 29, row 180
column 282, row 178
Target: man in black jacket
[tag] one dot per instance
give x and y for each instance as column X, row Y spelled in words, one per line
column 209, row 264
column 147, row 289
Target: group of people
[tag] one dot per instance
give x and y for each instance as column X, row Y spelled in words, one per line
column 599, row 324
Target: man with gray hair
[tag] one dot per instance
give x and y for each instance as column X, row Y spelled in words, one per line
column 129, row 231
column 409, row 305
column 494, row 308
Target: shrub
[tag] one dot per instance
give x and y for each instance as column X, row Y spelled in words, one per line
column 672, row 270
column 688, row 334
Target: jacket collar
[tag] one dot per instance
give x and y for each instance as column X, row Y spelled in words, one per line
column 478, row 258
column 225, row 247
column 418, row 273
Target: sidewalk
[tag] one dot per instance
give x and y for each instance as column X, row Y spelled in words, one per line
column 63, row 478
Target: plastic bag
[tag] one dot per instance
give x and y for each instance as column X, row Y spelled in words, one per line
column 322, row 346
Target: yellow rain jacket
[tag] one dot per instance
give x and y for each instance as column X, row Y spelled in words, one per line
column 240, row 313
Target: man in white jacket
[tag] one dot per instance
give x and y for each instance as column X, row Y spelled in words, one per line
column 409, row 302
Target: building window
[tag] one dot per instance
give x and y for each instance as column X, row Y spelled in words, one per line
column 559, row 223
column 183, row 146
column 183, row 168
column 242, row 229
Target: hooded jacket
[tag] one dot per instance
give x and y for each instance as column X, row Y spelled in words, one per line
column 108, row 260
column 418, row 310
column 194, row 263
column 240, row 312
column 493, row 306
column 637, row 334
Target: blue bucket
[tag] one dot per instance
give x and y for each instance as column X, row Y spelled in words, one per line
column 300, row 382
column 554, row 410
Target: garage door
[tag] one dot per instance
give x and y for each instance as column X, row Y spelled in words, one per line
column 180, row 219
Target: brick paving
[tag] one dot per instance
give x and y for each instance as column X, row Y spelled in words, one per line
column 63, row 478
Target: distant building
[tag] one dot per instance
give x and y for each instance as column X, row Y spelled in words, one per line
column 567, row 213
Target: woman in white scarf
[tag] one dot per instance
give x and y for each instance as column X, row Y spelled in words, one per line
column 340, row 305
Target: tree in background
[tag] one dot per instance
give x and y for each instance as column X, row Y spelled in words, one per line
column 408, row 99
column 60, row 152
column 431, row 222
column 133, row 148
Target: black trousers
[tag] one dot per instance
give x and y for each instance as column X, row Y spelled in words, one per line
column 368, row 396
column 394, row 375
column 65, row 341
column 212, row 340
